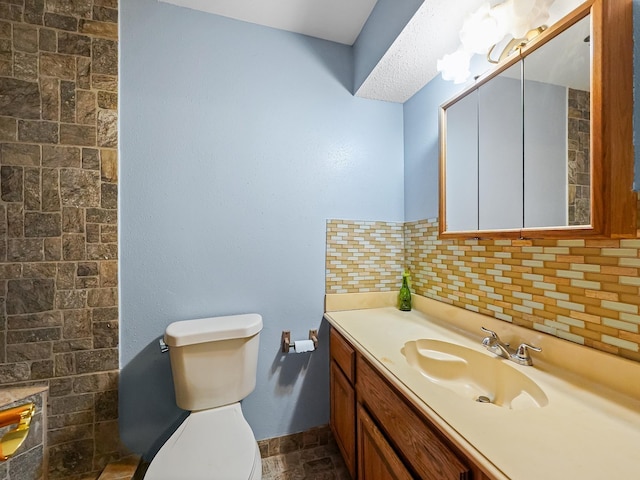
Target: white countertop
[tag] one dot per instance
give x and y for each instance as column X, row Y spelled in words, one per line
column 586, row 431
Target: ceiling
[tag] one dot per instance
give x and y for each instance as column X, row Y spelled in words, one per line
column 336, row 20
column 409, row 63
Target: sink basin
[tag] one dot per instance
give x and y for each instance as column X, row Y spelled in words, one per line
column 474, row 375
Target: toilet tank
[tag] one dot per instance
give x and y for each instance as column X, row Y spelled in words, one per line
column 213, row 360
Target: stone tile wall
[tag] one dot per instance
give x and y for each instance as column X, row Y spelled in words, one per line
column 583, row 290
column 58, row 217
column 579, row 168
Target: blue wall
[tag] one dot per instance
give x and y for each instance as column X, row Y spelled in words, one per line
column 237, row 142
column 421, row 148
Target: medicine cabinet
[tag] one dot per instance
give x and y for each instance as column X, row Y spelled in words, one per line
column 541, row 146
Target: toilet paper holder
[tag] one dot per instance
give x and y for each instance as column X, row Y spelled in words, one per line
column 288, row 344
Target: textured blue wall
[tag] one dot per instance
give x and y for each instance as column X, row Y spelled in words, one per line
column 421, row 148
column 237, row 143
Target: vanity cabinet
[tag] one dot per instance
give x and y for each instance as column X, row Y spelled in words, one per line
column 381, row 435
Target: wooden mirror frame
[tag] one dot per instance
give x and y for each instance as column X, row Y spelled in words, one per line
column 613, row 201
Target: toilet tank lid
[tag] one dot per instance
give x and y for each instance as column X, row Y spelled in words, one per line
column 189, row 332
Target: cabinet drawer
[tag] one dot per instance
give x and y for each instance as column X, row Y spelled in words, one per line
column 343, row 354
column 412, row 436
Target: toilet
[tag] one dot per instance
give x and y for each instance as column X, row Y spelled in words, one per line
column 214, row 362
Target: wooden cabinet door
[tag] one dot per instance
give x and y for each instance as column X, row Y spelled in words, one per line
column 343, row 416
column 376, row 458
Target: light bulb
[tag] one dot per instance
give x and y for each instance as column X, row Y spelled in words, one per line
column 488, row 26
column 480, row 31
column 455, row 66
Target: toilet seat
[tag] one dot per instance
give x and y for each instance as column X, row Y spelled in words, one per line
column 210, row 444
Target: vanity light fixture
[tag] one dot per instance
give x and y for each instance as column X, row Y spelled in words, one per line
column 488, row 27
column 515, row 44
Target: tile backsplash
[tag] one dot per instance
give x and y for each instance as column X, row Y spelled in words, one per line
column 363, row 256
column 583, row 290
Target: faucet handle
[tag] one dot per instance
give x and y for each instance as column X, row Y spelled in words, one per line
column 492, row 335
column 490, row 332
column 522, row 353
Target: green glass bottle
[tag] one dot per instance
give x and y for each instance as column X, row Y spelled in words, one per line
column 404, row 297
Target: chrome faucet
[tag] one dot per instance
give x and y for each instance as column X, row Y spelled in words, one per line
column 495, row 345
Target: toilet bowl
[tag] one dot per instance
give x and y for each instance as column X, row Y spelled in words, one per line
column 210, row 444
column 214, row 363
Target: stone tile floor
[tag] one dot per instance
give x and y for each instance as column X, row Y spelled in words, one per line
column 311, row 455
column 316, row 463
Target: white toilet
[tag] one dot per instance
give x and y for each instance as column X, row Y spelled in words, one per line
column 214, row 363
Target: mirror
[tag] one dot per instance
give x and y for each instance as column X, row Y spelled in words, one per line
column 462, row 165
column 557, row 85
column 542, row 147
column 500, row 186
